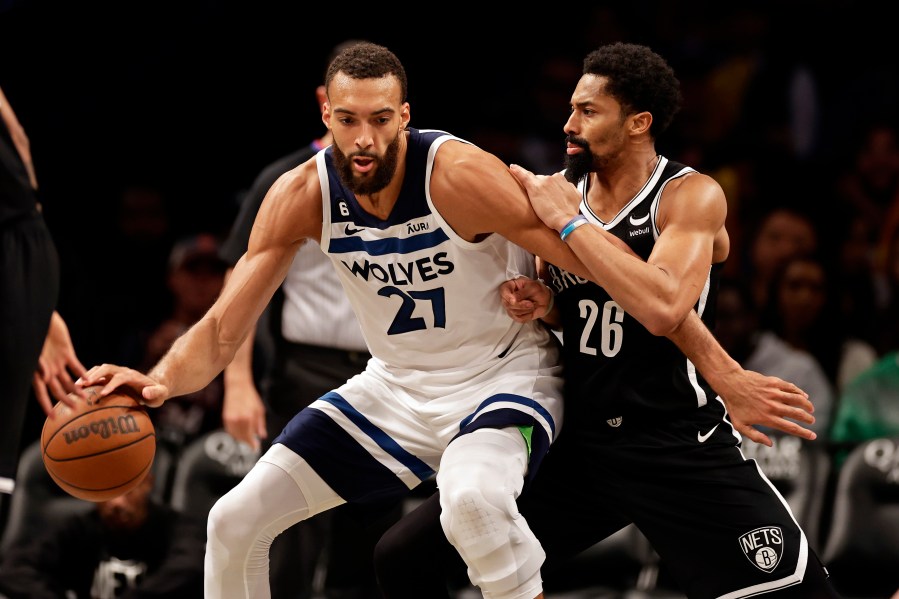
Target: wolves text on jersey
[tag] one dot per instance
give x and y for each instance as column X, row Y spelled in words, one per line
column 423, row 269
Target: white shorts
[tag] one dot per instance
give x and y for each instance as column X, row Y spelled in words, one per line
column 383, row 432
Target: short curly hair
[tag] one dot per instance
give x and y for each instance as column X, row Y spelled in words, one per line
column 366, row 60
column 639, row 79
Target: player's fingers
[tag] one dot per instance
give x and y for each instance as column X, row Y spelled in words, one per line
column 70, row 386
column 240, row 431
column 75, row 365
column 154, row 395
column 801, row 416
column 248, row 436
column 521, row 315
column 57, row 390
column 754, row 434
column 780, row 410
column 43, row 398
column 508, row 288
column 520, row 306
column 64, row 381
column 796, row 399
column 93, row 376
column 524, row 176
column 789, row 387
column 117, row 380
column 795, row 429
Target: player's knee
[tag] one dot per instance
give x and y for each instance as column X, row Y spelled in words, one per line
column 484, row 525
column 476, row 518
column 230, row 522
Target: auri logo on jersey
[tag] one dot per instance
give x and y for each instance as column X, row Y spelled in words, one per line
column 417, row 227
column 615, row 422
column 763, row 547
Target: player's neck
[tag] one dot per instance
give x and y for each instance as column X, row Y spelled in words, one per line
column 618, row 182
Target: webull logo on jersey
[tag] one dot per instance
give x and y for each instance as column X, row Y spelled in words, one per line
column 763, row 546
column 426, row 268
column 635, row 232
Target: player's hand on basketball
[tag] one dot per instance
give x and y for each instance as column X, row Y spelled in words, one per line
column 243, row 413
column 756, row 399
column 554, row 198
column 111, row 377
column 57, row 365
column 526, row 299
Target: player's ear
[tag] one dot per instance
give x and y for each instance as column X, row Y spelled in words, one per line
column 405, row 115
column 640, row 122
column 321, row 96
column 326, row 114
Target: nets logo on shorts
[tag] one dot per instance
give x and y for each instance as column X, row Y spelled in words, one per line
column 763, row 546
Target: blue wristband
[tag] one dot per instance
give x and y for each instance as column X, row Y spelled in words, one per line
column 573, row 224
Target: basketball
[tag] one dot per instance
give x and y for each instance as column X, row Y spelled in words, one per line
column 100, row 449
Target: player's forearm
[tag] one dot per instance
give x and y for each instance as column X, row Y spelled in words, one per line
column 642, row 290
column 240, row 370
column 195, row 358
column 698, row 343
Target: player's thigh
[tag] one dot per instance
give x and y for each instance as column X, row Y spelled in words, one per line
column 719, row 525
column 567, row 507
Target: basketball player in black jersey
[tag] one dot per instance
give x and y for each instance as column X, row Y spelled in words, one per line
column 35, row 347
column 646, row 440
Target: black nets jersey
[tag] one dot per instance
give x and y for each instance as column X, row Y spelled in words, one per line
column 614, row 367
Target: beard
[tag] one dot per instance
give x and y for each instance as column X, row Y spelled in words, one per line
column 580, row 164
column 377, row 179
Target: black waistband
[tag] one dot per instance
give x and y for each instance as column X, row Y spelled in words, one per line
column 319, row 351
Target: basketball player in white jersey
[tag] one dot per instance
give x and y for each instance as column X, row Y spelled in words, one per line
column 422, row 228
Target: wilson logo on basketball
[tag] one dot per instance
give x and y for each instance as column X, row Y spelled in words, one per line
column 123, row 425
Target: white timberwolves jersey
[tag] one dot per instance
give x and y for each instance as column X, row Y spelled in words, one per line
column 426, row 299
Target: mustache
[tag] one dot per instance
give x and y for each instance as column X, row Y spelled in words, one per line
column 363, row 154
column 577, row 141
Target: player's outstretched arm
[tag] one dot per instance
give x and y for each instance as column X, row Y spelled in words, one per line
column 751, row 398
column 290, row 213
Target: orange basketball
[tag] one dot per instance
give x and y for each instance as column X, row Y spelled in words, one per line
column 100, row 449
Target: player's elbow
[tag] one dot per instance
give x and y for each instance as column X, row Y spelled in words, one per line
column 663, row 320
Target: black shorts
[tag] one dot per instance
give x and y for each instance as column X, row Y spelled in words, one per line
column 29, row 288
column 720, row 527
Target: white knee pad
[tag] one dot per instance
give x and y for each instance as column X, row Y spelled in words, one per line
column 481, row 474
